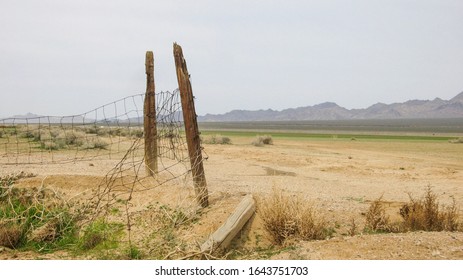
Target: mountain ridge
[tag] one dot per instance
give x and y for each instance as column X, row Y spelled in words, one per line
column 417, row 109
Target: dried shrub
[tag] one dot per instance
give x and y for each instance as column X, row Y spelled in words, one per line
column 10, row 235
column 418, row 214
column 95, row 143
column 425, row 214
column 48, row 232
column 352, row 228
column 45, row 220
column 267, row 140
column 168, row 225
column 457, row 141
column 51, row 145
column 286, row 217
column 217, row 139
column 376, row 218
column 260, row 141
column 72, row 137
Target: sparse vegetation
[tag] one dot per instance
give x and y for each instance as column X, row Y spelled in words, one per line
column 61, row 137
column 352, row 228
column 164, row 236
column 36, row 218
column 376, row 218
column 165, row 241
column 426, row 214
column 101, row 234
column 418, row 214
column 72, row 137
column 95, row 143
column 457, row 141
column 262, row 140
column 217, row 139
column 10, row 235
column 291, row 217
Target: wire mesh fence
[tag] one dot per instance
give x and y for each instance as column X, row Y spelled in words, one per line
column 105, row 132
column 113, row 131
column 112, row 134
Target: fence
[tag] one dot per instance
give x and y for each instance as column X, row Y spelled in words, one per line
column 145, row 129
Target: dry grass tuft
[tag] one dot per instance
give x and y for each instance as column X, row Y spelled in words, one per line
column 291, row 217
column 457, row 141
column 10, row 235
column 262, row 140
column 352, row 228
column 418, row 214
column 376, row 218
column 425, row 214
column 217, row 139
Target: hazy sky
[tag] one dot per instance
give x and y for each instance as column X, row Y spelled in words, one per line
column 61, row 57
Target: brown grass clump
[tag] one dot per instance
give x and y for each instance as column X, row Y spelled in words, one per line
column 418, row 214
column 10, row 235
column 457, row 141
column 376, row 218
column 286, row 217
column 425, row 214
column 262, row 140
column 48, row 232
column 217, row 139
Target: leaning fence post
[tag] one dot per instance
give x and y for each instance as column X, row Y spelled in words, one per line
column 191, row 127
column 149, row 120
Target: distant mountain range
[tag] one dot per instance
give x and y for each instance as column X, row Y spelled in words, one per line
column 412, row 109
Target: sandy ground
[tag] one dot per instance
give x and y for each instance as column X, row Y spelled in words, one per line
column 340, row 178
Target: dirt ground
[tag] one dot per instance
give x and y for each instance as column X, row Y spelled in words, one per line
column 339, row 177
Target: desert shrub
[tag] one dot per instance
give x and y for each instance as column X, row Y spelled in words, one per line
column 9, row 179
column 137, row 133
column 55, row 131
column 167, row 224
column 30, row 132
column 101, row 234
column 425, row 214
column 457, row 141
column 72, row 137
column 104, row 131
column 95, row 143
column 217, row 139
column 101, row 130
column 262, row 140
column 51, row 145
column 418, row 214
column 376, row 218
column 286, row 217
column 93, row 129
column 10, row 235
column 36, row 218
column 117, row 131
column 39, row 133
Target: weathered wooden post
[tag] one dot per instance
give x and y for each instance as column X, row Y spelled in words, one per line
column 149, row 120
column 191, row 127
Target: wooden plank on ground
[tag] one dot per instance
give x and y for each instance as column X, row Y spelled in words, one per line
column 222, row 238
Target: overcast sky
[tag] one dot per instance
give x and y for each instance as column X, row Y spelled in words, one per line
column 61, row 57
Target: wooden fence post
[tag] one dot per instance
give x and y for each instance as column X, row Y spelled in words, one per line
column 191, row 127
column 149, row 120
